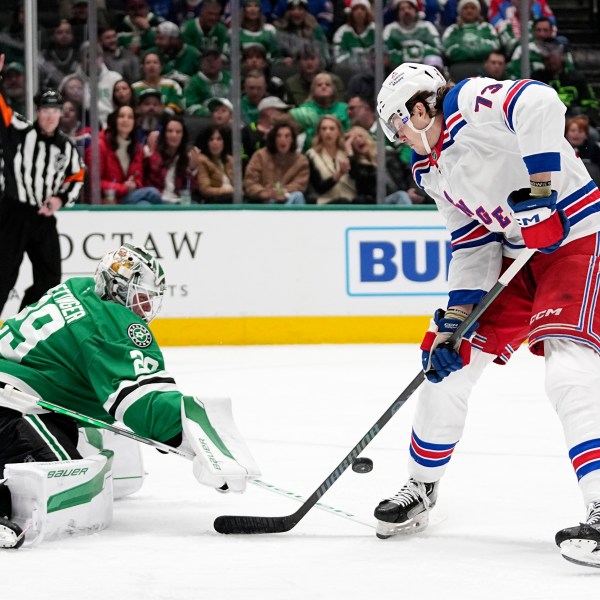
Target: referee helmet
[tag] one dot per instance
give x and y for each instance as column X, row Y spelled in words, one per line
column 47, row 98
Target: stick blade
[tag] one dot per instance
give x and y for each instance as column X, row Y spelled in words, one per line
column 248, row 525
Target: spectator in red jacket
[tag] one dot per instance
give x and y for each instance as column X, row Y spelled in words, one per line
column 121, row 162
column 166, row 166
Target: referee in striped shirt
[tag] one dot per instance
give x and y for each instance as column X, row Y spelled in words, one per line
column 40, row 172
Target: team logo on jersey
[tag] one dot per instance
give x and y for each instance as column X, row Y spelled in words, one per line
column 60, row 162
column 139, row 335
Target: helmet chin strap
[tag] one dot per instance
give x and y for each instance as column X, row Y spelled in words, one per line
column 423, row 133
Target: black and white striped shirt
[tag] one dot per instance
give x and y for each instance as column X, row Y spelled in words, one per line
column 33, row 166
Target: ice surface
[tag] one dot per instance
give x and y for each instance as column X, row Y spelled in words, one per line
column 508, row 489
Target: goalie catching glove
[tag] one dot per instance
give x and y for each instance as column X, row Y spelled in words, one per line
column 222, row 459
column 543, row 226
column 440, row 357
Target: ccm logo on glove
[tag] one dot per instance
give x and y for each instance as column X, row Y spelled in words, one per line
column 543, row 226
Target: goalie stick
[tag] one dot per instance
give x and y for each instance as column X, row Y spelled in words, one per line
column 251, row 524
column 21, row 401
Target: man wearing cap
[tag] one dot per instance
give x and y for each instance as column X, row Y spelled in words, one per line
column 149, row 112
column 221, row 111
column 179, row 60
column 14, row 86
column 207, row 30
column 31, row 191
column 211, row 81
column 321, row 10
column 471, row 38
column 410, row 39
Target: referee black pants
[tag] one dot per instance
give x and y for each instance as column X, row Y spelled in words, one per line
column 23, row 231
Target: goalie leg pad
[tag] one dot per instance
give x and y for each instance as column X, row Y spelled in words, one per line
column 127, row 468
column 52, row 500
column 222, row 456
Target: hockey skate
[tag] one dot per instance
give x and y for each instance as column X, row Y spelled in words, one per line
column 406, row 512
column 581, row 544
column 11, row 535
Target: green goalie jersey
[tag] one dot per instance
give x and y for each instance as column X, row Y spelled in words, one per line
column 91, row 356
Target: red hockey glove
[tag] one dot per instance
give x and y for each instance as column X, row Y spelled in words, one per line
column 543, row 226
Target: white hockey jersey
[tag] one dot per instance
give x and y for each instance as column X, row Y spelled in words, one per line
column 496, row 134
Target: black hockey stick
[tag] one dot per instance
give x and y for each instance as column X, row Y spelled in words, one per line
column 249, row 524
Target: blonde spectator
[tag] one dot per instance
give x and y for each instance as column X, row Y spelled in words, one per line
column 330, row 164
column 322, row 101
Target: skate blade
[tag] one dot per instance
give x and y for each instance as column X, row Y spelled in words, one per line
column 581, row 552
column 386, row 530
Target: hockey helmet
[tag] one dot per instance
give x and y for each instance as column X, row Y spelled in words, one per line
column 132, row 277
column 48, row 98
column 399, row 87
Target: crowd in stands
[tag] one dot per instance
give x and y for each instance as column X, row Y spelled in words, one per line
column 309, row 125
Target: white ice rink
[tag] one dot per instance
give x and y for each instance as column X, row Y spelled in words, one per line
column 508, row 489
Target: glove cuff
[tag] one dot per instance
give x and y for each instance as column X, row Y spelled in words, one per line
column 545, row 234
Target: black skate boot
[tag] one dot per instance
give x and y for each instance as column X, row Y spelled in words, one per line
column 581, row 544
column 407, row 511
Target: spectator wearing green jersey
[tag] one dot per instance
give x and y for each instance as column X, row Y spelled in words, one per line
column 471, row 38
column 410, row 39
column 137, row 30
column 541, row 30
column 207, row 30
column 170, row 90
column 320, row 103
column 211, row 81
column 353, row 41
column 254, row 30
column 179, row 60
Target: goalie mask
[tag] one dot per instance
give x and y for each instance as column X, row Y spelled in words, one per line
column 402, row 84
column 131, row 277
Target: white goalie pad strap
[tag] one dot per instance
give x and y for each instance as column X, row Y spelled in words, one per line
column 127, row 468
column 52, row 500
column 19, row 401
column 222, row 456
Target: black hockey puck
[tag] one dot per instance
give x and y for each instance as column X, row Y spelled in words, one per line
column 362, row 464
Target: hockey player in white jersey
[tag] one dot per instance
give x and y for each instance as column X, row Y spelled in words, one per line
column 493, row 156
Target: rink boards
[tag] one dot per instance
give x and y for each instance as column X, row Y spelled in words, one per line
column 274, row 275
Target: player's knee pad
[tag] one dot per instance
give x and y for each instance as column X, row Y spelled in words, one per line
column 572, row 375
column 221, row 455
column 51, row 500
column 127, row 468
